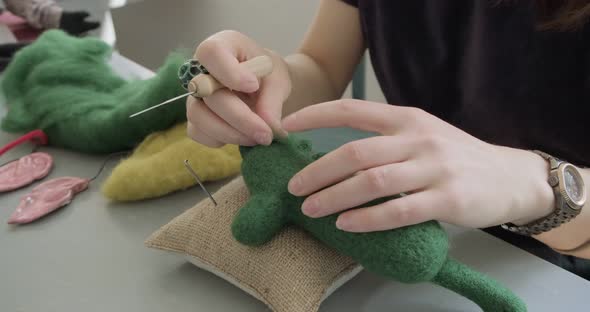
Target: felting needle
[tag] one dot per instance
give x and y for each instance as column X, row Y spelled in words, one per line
column 194, row 174
column 204, row 85
column 163, row 103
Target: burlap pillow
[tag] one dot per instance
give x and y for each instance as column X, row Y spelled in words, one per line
column 293, row 272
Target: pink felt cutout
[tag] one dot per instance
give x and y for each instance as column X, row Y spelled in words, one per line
column 24, row 171
column 47, row 197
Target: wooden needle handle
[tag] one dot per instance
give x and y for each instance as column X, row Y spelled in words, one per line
column 204, row 85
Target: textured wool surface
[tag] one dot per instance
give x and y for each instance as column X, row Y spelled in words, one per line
column 293, row 272
column 410, row 254
column 156, row 167
column 65, row 86
column 478, row 287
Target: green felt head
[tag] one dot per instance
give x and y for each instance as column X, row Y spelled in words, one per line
column 278, row 161
column 411, row 254
column 65, row 86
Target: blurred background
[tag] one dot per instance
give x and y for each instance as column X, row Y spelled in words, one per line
column 145, row 31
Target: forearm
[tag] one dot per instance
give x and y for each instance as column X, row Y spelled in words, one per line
column 583, row 251
column 572, row 237
column 325, row 62
column 309, row 83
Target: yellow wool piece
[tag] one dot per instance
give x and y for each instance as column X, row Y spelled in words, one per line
column 156, row 167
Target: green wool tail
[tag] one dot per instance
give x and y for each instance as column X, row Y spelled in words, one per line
column 488, row 294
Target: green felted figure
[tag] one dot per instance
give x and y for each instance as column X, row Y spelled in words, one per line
column 65, row 86
column 411, row 254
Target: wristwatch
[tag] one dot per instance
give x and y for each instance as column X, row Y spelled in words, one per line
column 570, row 196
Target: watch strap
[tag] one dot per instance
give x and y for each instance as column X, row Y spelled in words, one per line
column 545, row 224
column 557, row 217
column 554, row 162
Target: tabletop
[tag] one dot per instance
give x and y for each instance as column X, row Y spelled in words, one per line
column 89, row 255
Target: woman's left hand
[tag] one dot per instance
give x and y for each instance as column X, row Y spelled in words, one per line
column 448, row 174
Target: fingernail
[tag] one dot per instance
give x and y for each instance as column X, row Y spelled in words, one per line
column 249, row 83
column 277, row 129
column 311, row 207
column 342, row 224
column 263, row 138
column 281, row 133
column 295, row 185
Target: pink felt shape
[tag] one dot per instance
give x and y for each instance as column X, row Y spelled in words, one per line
column 24, row 171
column 47, row 197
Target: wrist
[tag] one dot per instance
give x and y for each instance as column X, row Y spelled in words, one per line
column 541, row 198
column 565, row 224
column 571, row 235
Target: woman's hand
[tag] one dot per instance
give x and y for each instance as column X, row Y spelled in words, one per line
column 448, row 174
column 249, row 114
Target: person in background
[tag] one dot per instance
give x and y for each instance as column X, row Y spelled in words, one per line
column 46, row 14
column 28, row 18
column 485, row 125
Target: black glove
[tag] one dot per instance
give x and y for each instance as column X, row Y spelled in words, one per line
column 7, row 51
column 75, row 23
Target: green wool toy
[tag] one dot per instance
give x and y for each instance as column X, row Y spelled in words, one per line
column 65, row 86
column 411, row 254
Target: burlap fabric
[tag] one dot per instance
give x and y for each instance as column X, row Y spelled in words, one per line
column 292, row 273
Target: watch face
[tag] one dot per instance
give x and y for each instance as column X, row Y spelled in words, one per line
column 574, row 186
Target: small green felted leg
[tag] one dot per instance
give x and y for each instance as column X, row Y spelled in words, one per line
column 488, row 294
column 259, row 220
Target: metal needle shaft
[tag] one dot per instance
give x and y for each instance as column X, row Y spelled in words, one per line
column 163, row 103
column 194, row 174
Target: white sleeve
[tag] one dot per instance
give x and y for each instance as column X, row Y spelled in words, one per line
column 41, row 14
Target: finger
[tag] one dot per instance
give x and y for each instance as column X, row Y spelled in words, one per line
column 347, row 160
column 216, row 128
column 270, row 105
column 357, row 114
column 236, row 113
column 221, row 60
column 274, row 90
column 408, row 210
column 201, row 137
column 374, row 183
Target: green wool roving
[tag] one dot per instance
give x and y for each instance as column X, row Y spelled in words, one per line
column 65, row 86
column 411, row 254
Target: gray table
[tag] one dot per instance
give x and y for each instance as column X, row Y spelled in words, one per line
column 89, row 256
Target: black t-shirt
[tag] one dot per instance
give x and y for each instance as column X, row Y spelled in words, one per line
column 484, row 68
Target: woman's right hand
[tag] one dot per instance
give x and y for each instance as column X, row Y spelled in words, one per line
column 249, row 113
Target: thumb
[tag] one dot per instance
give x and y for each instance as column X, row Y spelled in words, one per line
column 269, row 107
column 273, row 92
